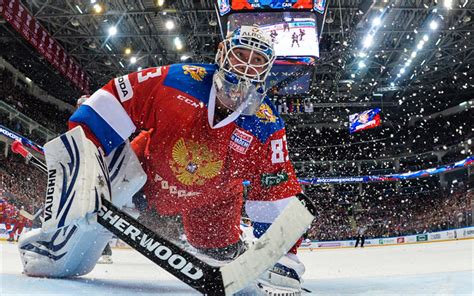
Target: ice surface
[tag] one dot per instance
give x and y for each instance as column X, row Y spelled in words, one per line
column 444, row 268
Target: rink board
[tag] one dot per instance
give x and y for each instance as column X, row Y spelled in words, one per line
column 446, row 235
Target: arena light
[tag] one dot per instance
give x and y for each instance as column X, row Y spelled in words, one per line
column 128, row 50
column 426, row 38
column 178, row 43
column 108, row 47
column 97, row 8
column 79, row 9
column 361, row 64
column 368, row 41
column 413, row 54
column 376, row 21
column 433, row 25
column 112, row 31
column 93, row 1
column 160, row 2
column 184, row 58
column 133, row 60
column 402, row 71
column 448, row 4
column 169, row 25
column 420, row 44
column 121, row 64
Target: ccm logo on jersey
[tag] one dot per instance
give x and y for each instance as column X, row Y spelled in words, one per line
column 152, row 247
column 190, row 101
column 240, row 141
column 49, row 194
column 124, row 88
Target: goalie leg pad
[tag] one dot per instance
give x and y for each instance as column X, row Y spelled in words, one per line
column 70, row 239
column 69, row 251
column 77, row 180
column 126, row 174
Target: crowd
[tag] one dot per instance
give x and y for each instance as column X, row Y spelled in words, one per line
column 382, row 209
column 21, row 185
column 325, row 144
column 389, row 215
column 48, row 78
column 46, row 114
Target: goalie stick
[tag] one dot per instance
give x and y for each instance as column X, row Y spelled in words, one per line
column 29, row 216
column 207, row 279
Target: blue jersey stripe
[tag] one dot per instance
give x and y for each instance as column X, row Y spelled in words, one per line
column 196, row 85
column 259, row 127
column 107, row 136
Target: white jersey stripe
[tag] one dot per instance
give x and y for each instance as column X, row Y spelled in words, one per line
column 266, row 211
column 109, row 108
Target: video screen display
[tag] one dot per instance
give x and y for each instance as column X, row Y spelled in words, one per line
column 290, row 76
column 293, row 33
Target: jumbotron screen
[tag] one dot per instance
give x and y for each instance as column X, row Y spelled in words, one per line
column 293, row 33
column 290, row 76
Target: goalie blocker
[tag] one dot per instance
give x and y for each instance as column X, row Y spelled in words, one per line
column 78, row 212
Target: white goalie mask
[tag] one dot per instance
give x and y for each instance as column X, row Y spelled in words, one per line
column 244, row 58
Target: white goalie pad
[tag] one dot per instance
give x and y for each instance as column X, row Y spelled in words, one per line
column 78, row 178
column 126, row 174
column 69, row 251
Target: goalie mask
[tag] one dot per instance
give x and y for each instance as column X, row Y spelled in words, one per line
column 244, row 58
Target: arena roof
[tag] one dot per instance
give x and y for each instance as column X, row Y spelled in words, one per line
column 348, row 75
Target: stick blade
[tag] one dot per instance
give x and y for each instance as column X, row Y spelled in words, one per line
column 266, row 251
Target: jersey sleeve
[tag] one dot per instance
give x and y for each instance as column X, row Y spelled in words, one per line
column 116, row 110
column 273, row 180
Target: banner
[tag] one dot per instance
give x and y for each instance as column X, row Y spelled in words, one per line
column 25, row 24
column 422, row 238
column 329, row 245
column 364, row 120
column 16, row 137
column 393, row 177
column 446, row 235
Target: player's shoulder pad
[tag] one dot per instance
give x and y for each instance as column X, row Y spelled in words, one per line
column 264, row 123
column 126, row 85
column 193, row 79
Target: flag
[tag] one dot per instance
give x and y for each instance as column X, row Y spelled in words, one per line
column 364, row 120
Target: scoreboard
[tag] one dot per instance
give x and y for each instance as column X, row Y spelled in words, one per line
column 295, row 27
column 225, row 6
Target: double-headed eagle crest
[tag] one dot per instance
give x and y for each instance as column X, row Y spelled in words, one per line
column 193, row 163
column 196, row 72
column 265, row 113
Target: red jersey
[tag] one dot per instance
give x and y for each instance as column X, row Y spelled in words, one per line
column 191, row 164
column 10, row 211
column 3, row 205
